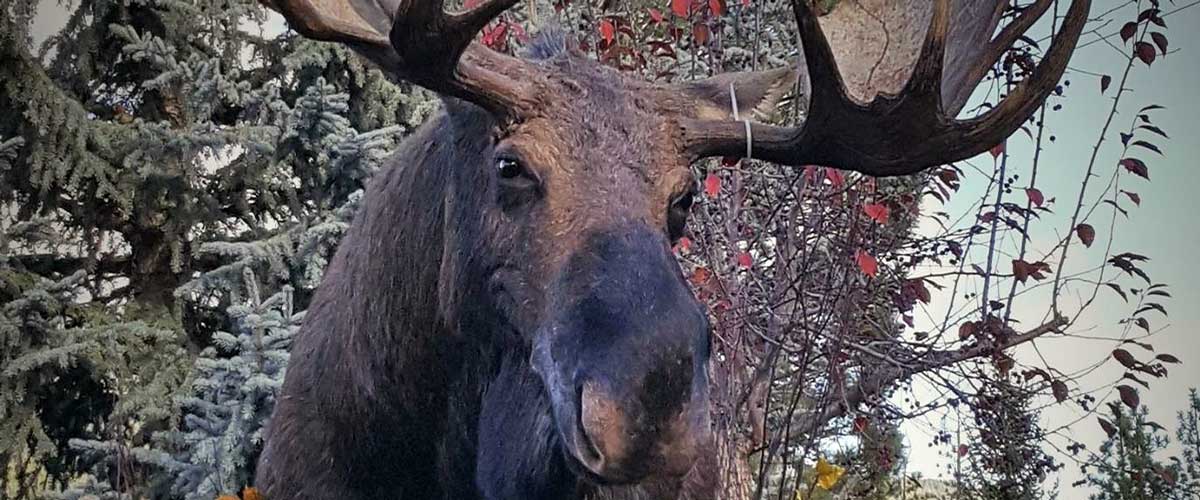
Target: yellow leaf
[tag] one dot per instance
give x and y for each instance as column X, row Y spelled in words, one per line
column 828, row 474
column 251, row 493
column 227, row 497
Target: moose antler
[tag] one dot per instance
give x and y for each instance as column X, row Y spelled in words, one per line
column 425, row 45
column 895, row 134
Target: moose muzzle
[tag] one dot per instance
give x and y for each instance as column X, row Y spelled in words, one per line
column 623, row 360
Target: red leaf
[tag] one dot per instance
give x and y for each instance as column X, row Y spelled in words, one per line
column 1137, row 200
column 963, row 450
column 967, row 329
column 861, row 423
column 1087, row 234
column 1145, row 52
column 835, row 177
column 1023, row 270
column 712, row 185
column 656, row 16
column 1035, row 196
column 715, row 7
column 1107, row 426
column 606, row 31
column 1105, row 80
column 877, row 211
column 997, row 150
column 494, row 37
column 1129, row 396
column 1136, row 166
column 1160, row 40
column 700, row 32
column 681, row 7
column 683, row 244
column 745, row 3
column 920, row 290
column 866, row 262
column 744, row 260
column 1128, row 31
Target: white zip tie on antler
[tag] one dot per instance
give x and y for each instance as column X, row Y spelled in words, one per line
column 749, row 136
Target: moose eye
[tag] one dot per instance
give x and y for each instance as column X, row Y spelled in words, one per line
column 509, row 168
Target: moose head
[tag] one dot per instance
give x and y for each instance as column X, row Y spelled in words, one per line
column 566, row 183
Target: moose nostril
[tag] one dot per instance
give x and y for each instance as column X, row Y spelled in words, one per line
column 603, row 427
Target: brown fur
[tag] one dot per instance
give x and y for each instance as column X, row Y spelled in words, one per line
column 411, row 377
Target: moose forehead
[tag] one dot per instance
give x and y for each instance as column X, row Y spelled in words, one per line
column 598, row 129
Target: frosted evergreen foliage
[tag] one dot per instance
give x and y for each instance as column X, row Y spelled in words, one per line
column 236, row 381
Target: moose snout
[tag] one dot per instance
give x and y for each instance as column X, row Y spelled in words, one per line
column 623, row 358
column 625, row 439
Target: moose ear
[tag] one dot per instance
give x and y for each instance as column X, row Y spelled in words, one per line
column 757, row 92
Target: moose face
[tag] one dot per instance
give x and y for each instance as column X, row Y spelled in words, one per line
column 583, row 202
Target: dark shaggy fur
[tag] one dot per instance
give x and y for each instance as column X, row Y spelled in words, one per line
column 411, row 377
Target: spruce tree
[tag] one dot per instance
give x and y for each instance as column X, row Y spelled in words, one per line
column 1128, row 467
column 174, row 177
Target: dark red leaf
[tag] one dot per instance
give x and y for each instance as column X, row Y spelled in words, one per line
column 917, row 288
column 1035, row 196
column 1147, row 145
column 997, row 150
column 877, row 211
column 1023, row 270
column 1107, row 426
column 967, row 329
column 1145, row 52
column 1117, row 288
column 1137, row 200
column 1105, row 80
column 861, row 423
column 1142, row 323
column 1087, row 234
column 1129, row 396
column 1059, row 388
column 1136, row 166
column 1167, row 358
column 866, row 262
column 1154, row 129
column 1160, row 40
column 1128, row 31
column 963, row 450
column 1125, row 358
column 700, row 33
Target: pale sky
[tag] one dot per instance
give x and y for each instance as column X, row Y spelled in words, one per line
column 1164, row 227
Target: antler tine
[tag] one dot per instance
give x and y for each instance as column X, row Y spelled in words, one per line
column 425, row 45
column 926, row 79
column 825, row 79
column 894, row 134
column 436, row 52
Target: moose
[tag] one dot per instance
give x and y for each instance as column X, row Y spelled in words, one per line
column 505, row 318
